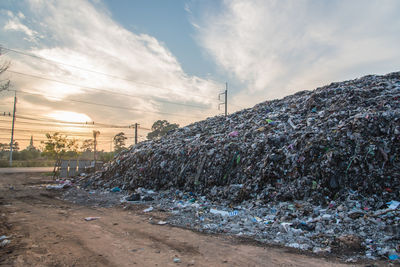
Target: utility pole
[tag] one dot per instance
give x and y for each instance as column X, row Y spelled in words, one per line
column 12, row 128
column 226, row 99
column 95, row 134
column 136, row 127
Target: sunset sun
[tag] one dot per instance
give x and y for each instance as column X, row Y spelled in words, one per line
column 69, row 116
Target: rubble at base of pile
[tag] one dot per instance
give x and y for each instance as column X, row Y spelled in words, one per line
column 349, row 230
column 331, row 154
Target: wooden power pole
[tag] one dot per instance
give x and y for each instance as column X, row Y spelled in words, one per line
column 12, row 128
column 136, row 137
column 95, row 134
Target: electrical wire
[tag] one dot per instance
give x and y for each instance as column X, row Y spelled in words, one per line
column 96, row 72
column 103, row 125
column 102, row 90
column 65, row 124
column 52, row 124
column 17, row 130
column 105, row 105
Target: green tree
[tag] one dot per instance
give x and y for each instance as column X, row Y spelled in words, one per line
column 161, row 128
column 119, row 141
column 87, row 145
column 29, row 153
column 56, row 145
column 73, row 145
column 6, row 147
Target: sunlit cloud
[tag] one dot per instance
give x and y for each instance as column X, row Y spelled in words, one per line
column 14, row 24
column 68, row 116
column 275, row 48
column 127, row 69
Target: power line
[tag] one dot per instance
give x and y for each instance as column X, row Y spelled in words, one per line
column 52, row 124
column 44, row 138
column 102, row 140
column 146, row 129
column 105, row 131
column 101, row 90
column 44, row 132
column 69, row 124
column 102, row 125
column 36, row 137
column 56, row 125
column 50, row 131
column 96, row 72
column 105, row 105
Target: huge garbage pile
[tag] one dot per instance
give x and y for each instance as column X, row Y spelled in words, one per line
column 316, row 145
column 318, row 170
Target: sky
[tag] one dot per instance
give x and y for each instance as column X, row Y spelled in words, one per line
column 116, row 63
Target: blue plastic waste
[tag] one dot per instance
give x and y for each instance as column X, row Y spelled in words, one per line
column 393, row 257
column 116, row 189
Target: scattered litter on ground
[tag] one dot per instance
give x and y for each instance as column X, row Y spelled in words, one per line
column 4, row 237
column 148, row 209
column 4, row 243
column 61, row 184
column 91, row 218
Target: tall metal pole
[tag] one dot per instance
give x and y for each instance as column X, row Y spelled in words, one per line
column 95, row 134
column 95, row 147
column 226, row 99
column 136, row 125
column 12, row 128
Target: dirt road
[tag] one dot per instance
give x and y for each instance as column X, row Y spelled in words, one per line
column 26, row 169
column 47, row 231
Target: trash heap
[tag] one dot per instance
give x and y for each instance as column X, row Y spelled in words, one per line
column 315, row 145
column 318, row 170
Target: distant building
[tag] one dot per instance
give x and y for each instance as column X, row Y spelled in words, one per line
column 31, row 146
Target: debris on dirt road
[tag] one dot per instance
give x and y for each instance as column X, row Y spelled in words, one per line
column 308, row 171
column 88, row 219
column 60, row 184
column 40, row 225
column 148, row 209
column 4, row 243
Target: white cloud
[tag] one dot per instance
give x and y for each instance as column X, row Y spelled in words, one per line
column 89, row 38
column 278, row 47
column 187, row 8
column 14, row 24
column 21, row 15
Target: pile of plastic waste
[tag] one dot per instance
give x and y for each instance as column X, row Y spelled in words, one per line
column 326, row 160
column 311, row 145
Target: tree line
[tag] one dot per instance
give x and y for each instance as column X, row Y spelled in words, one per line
column 57, row 146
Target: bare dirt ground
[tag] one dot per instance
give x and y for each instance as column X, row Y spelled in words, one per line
column 47, row 231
